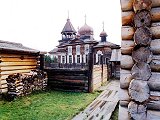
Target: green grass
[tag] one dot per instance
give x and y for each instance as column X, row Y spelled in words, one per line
column 115, row 113
column 51, row 105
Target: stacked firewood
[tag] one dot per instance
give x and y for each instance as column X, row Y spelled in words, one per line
column 24, row 84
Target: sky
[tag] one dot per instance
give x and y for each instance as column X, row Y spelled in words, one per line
column 38, row 23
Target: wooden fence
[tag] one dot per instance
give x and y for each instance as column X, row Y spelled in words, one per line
column 68, row 79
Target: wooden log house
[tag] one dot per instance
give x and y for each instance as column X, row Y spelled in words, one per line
column 16, row 58
column 140, row 49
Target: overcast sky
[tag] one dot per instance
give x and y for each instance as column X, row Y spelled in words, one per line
column 38, row 23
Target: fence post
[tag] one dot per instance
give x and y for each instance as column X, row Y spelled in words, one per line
column 90, row 70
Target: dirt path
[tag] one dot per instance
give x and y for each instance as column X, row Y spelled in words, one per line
column 103, row 106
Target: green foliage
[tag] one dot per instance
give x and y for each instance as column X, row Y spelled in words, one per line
column 51, row 105
column 115, row 113
column 47, row 59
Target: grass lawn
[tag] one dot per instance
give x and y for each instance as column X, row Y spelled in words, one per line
column 51, row 105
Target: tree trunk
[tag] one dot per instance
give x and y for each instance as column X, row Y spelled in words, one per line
column 139, row 90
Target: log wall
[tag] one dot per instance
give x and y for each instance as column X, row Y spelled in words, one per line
column 99, row 76
column 15, row 63
column 140, row 63
column 68, row 79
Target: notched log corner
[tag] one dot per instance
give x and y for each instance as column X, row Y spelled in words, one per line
column 141, row 71
column 139, row 90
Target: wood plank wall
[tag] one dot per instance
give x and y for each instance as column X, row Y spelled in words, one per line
column 99, row 76
column 15, row 63
column 127, row 45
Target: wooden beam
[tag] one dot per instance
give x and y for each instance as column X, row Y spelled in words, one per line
column 127, row 32
column 17, row 63
column 127, row 47
column 126, row 62
column 15, row 71
column 127, row 5
column 10, row 68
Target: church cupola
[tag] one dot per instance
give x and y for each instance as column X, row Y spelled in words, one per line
column 86, row 32
column 103, row 35
column 68, row 32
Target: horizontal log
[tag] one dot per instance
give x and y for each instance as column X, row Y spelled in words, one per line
column 125, row 80
column 127, row 5
column 123, row 95
column 153, row 105
column 137, row 111
column 141, row 71
column 18, row 59
column 154, row 81
column 124, row 103
column 127, row 32
column 17, row 63
column 139, row 90
column 139, row 5
column 155, row 46
column 10, row 68
column 15, row 71
column 153, row 115
column 126, row 47
column 142, row 54
column 126, row 62
column 127, row 18
column 155, row 30
column 123, row 113
column 124, row 71
column 155, row 63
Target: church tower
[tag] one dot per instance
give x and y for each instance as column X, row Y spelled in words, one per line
column 68, row 32
column 103, row 35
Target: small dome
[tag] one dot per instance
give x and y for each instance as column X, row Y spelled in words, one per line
column 85, row 29
column 103, row 33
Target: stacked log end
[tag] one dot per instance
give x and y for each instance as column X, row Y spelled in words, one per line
column 24, row 84
column 140, row 60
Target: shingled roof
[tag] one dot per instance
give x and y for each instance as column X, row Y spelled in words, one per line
column 68, row 27
column 12, row 46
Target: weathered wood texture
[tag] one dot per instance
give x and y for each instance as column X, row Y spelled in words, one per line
column 142, row 18
column 128, row 16
column 99, row 75
column 139, row 5
column 23, row 84
column 142, row 54
column 127, row 47
column 154, row 81
column 137, row 111
column 126, row 62
column 16, row 63
column 139, row 90
column 143, row 36
column 127, row 5
column 68, row 79
column 128, row 32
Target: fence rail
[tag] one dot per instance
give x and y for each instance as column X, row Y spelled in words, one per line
column 68, row 65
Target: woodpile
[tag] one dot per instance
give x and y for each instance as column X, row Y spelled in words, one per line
column 24, row 84
column 140, row 60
